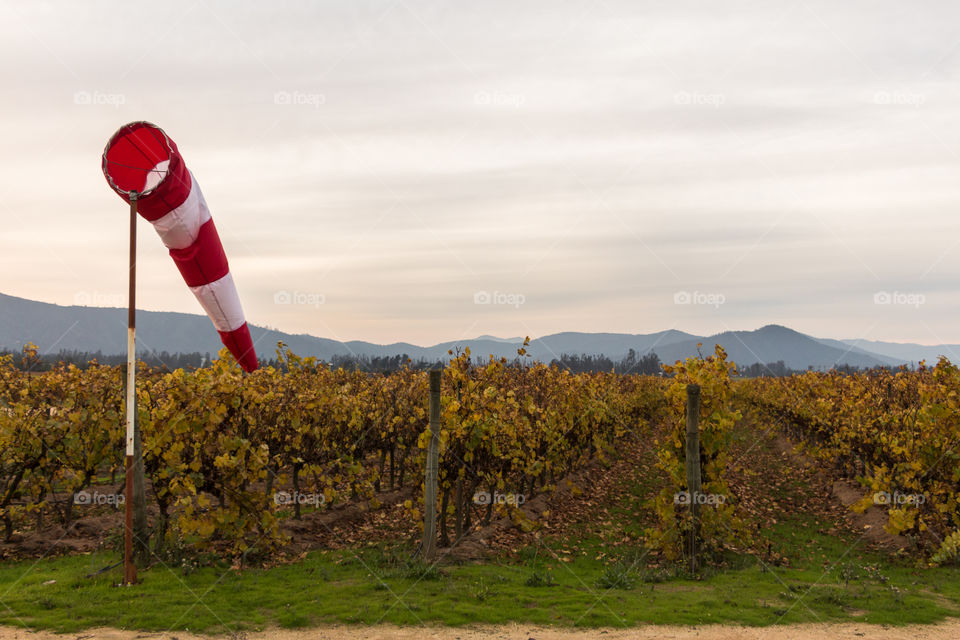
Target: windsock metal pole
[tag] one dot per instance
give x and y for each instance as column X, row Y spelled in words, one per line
column 129, row 569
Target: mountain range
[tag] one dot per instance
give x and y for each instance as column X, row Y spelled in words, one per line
column 90, row 329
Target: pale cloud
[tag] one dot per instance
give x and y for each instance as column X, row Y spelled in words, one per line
column 593, row 157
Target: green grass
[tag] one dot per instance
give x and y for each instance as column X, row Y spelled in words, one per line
column 825, row 582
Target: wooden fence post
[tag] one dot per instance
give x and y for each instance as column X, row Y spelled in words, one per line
column 432, row 471
column 693, row 470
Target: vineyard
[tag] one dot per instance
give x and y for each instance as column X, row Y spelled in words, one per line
column 897, row 433
column 219, row 446
column 230, row 456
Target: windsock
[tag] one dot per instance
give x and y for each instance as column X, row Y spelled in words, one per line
column 140, row 157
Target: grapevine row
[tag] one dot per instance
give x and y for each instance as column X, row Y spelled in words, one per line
column 897, row 432
column 219, row 444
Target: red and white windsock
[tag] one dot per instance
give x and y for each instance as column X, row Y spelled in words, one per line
column 140, row 157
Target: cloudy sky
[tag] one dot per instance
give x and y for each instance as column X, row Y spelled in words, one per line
column 572, row 166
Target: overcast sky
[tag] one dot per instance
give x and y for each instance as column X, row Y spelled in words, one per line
column 591, row 166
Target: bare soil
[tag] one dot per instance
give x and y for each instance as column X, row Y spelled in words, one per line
column 848, row 631
column 871, row 521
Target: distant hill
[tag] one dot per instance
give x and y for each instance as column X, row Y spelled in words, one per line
column 496, row 339
column 907, row 352
column 54, row 328
column 773, row 343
